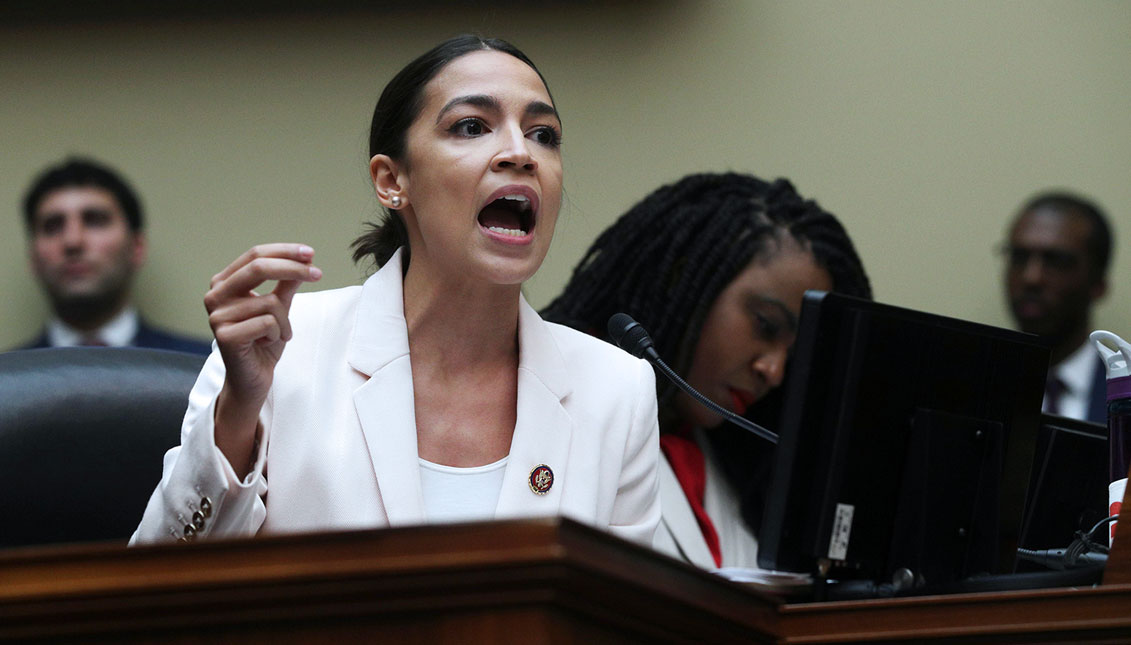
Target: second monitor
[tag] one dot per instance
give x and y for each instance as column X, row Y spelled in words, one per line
column 906, row 444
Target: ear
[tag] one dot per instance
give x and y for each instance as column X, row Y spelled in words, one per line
column 139, row 251
column 389, row 180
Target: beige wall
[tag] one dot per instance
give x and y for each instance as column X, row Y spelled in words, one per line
column 922, row 124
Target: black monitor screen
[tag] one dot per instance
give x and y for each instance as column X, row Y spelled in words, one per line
column 906, row 444
column 1068, row 484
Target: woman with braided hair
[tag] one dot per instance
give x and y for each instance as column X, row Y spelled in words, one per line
column 714, row 266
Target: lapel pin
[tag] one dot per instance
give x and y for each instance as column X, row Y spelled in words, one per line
column 541, row 479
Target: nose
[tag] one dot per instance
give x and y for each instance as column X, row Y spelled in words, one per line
column 1033, row 271
column 515, row 153
column 73, row 234
column 771, row 366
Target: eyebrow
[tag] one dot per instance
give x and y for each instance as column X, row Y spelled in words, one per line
column 754, row 300
column 534, row 108
column 57, row 214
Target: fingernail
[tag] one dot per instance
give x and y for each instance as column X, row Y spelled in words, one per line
column 305, row 250
column 315, row 273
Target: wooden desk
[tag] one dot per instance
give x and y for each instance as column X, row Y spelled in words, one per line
column 530, row 581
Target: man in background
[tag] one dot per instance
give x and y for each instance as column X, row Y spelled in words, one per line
column 1058, row 252
column 85, row 244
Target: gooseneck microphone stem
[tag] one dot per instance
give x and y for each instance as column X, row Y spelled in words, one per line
column 742, row 422
column 631, row 337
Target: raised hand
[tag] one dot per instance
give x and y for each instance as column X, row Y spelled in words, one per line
column 251, row 331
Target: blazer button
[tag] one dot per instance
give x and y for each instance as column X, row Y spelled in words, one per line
column 206, row 506
column 198, row 520
column 190, row 531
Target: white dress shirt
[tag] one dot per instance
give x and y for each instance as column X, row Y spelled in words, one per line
column 1075, row 373
column 118, row 332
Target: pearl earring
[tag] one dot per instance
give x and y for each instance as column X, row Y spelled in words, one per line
column 397, row 201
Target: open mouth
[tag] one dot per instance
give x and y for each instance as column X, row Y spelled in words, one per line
column 511, row 215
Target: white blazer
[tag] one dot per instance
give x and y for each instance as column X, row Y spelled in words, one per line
column 339, row 446
column 679, row 534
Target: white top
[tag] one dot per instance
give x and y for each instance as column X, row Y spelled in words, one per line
column 1075, row 372
column 119, row 332
column 454, row 494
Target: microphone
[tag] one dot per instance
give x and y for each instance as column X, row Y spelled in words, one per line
column 630, row 336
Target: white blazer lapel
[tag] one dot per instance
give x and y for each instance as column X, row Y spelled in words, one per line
column 679, row 521
column 543, row 428
column 378, row 348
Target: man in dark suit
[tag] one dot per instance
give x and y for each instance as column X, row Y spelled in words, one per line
column 1058, row 252
column 85, row 244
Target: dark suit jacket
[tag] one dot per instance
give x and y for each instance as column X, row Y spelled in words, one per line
column 150, row 337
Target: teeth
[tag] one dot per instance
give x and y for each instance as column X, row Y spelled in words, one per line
column 513, row 232
column 519, row 198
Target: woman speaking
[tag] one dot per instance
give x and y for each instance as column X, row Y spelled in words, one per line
column 432, row 392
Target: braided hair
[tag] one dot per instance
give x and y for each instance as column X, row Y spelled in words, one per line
column 667, row 259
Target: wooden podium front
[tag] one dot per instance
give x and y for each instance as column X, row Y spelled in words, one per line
column 528, row 581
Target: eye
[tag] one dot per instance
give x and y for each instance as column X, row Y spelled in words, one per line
column 766, row 328
column 469, row 127
column 50, row 225
column 547, row 136
column 1018, row 257
column 1058, row 260
column 96, row 218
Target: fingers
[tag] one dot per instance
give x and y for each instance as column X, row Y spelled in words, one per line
column 283, row 262
column 253, row 307
column 284, row 250
column 263, row 328
column 238, row 315
column 286, row 290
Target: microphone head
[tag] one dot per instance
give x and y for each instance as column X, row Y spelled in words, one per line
column 629, row 335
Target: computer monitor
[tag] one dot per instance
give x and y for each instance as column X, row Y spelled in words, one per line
column 905, row 447
column 1068, row 484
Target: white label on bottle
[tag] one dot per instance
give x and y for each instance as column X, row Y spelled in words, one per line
column 1114, row 501
column 842, row 531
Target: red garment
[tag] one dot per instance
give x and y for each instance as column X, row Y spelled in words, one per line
column 690, row 468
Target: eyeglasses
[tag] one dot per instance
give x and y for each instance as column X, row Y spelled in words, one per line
column 1019, row 257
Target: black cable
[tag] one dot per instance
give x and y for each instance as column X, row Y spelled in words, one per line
column 1087, row 537
column 1083, row 551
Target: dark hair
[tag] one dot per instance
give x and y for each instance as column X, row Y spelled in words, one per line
column 1099, row 240
column 82, row 173
column 398, row 107
column 666, row 260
